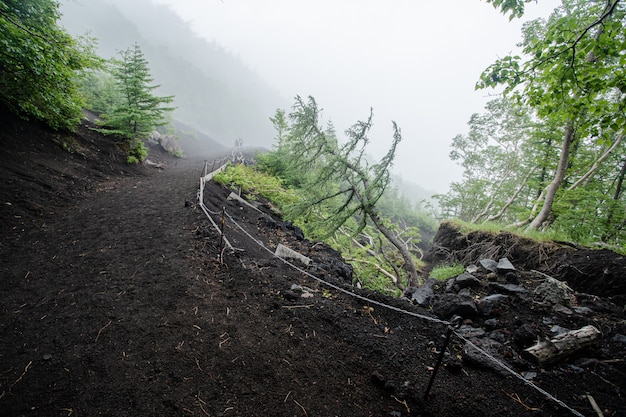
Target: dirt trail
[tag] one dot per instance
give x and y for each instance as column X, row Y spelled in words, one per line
column 118, row 306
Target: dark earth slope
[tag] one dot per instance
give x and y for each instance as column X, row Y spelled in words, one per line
column 114, row 302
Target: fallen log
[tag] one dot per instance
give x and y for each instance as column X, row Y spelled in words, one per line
column 552, row 350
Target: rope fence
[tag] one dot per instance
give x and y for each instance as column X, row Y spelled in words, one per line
column 451, row 325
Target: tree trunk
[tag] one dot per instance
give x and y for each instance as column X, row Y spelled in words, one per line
column 549, row 351
column 596, row 164
column 568, row 138
column 414, row 278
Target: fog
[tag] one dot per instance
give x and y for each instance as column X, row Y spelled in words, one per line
column 415, row 62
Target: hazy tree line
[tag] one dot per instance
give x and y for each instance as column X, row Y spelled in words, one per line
column 45, row 72
column 550, row 154
column 214, row 91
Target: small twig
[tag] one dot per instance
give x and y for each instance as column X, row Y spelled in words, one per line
column 287, row 396
column 605, row 380
column 224, row 341
column 203, row 410
column 594, row 405
column 408, row 410
column 517, row 399
column 300, row 405
column 21, row 376
column 100, row 331
column 300, row 306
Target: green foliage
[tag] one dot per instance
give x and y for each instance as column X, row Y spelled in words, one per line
column 100, row 91
column 139, row 112
column 256, row 183
column 40, row 62
column 444, row 272
column 138, row 152
column 514, row 7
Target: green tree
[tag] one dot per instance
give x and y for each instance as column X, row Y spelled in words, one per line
column 140, row 111
column 40, row 63
column 573, row 73
column 342, row 187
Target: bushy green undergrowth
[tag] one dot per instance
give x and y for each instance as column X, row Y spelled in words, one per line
column 256, row 183
column 444, row 272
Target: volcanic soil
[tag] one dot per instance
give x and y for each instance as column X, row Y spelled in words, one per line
column 120, row 299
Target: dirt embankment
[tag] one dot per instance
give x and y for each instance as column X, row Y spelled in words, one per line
column 600, row 272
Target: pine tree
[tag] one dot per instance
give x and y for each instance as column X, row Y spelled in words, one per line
column 140, row 111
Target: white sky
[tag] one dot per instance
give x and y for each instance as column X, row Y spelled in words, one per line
column 412, row 61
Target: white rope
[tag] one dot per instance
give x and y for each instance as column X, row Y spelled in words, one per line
column 518, row 376
column 336, row 287
column 410, row 313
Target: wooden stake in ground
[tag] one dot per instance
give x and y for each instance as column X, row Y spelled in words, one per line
column 553, row 350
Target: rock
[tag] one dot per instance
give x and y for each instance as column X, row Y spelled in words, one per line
column 619, row 338
column 504, row 266
column 169, row 143
column 558, row 308
column 489, row 265
column 554, row 291
column 557, row 330
column 510, row 289
column 491, row 324
column 583, row 311
column 451, row 285
column 512, row 278
column 423, row 294
column 469, row 331
column 465, row 292
column 448, row 305
column 290, row 295
column 487, row 305
column 524, row 336
column 472, row 269
column 473, row 357
column 467, row 280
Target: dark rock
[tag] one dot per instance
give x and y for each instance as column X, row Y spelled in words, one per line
column 510, row 289
column 558, row 308
column 557, row 330
column 487, row 304
column 524, row 336
column 583, row 311
column 451, row 285
column 504, row 266
column 512, row 278
column 489, row 265
column 465, row 292
column 619, row 338
column 422, row 295
column 290, row 295
column 467, row 280
column 469, row 331
column 475, row 358
column 448, row 305
column 491, row 324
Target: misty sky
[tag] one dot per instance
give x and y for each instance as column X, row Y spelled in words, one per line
column 412, row 61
